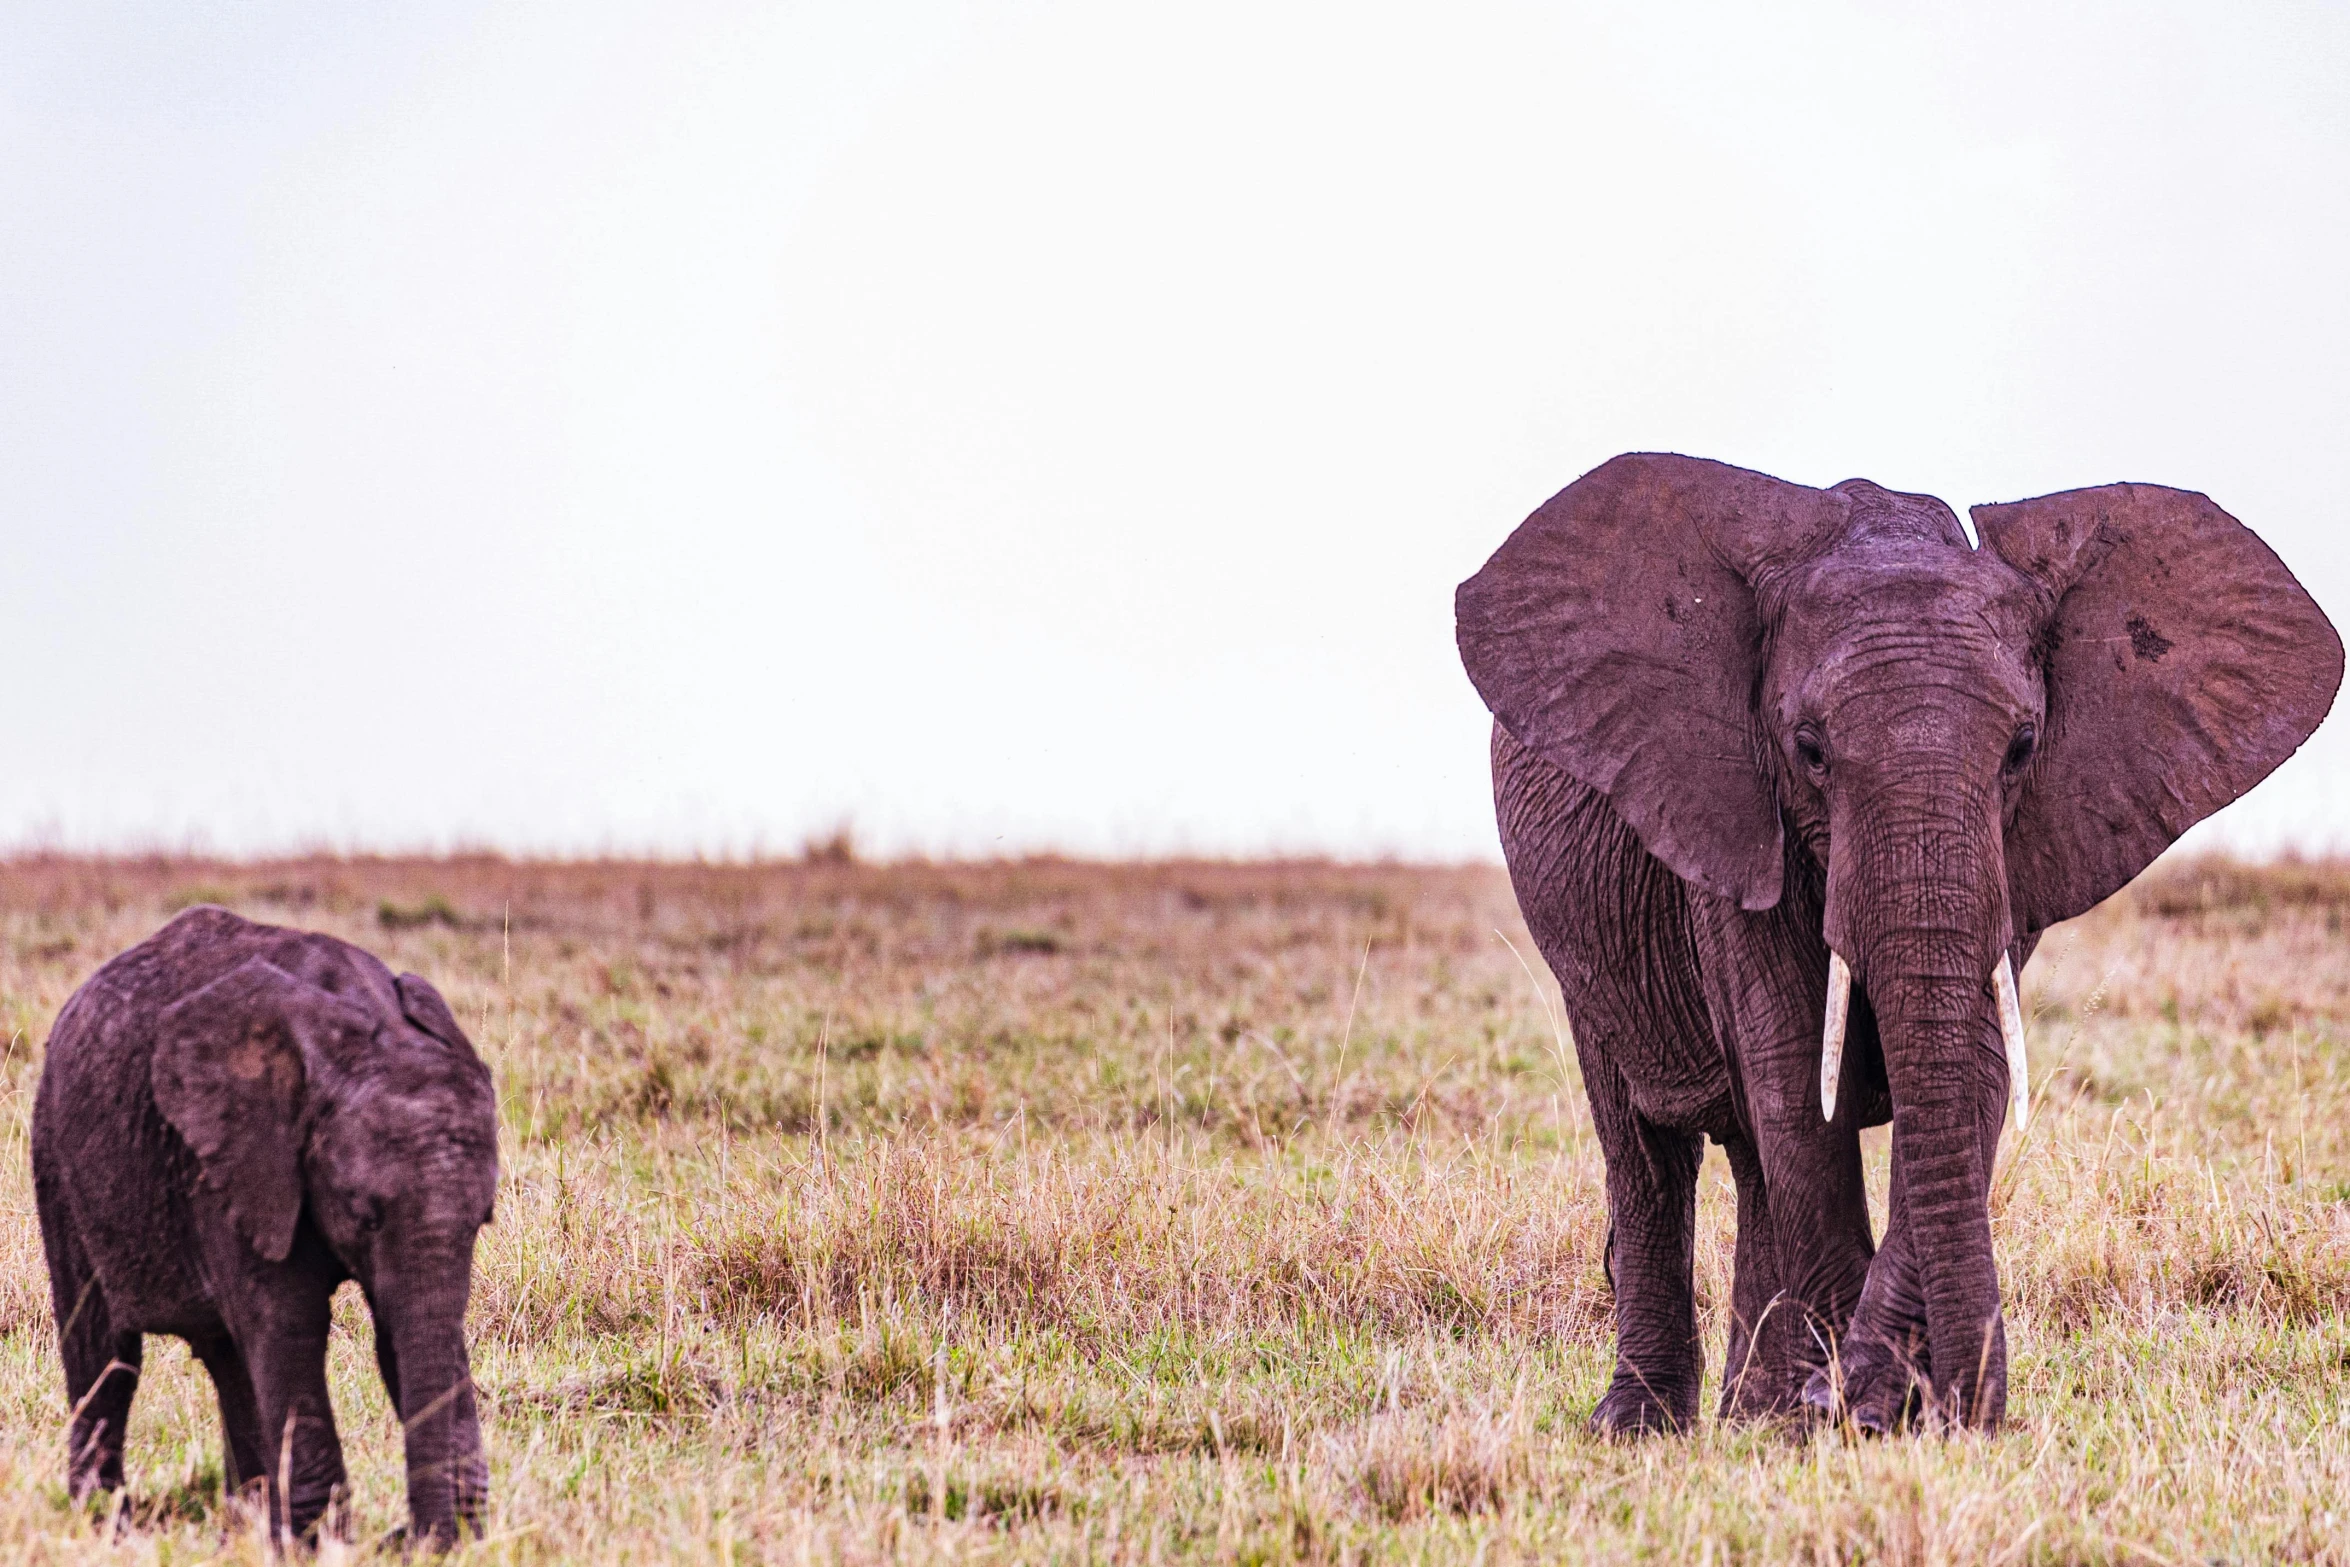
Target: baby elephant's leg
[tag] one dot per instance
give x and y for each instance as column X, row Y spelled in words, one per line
column 243, row 1455
column 101, row 1363
column 101, row 1378
column 301, row 1454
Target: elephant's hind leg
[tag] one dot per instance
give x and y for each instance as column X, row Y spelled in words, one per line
column 243, row 1455
column 1767, row 1322
column 1613, row 924
column 101, row 1363
column 101, row 1379
column 1652, row 1229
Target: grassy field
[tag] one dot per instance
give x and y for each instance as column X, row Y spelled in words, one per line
column 1132, row 1213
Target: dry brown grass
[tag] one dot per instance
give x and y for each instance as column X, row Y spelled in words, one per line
column 1048, row 1210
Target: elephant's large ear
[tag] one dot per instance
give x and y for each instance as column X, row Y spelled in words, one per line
column 232, row 1070
column 2183, row 663
column 1616, row 634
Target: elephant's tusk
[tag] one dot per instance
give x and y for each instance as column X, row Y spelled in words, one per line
column 2011, row 1029
column 1832, row 1041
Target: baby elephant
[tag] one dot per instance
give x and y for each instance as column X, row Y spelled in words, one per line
column 233, row 1119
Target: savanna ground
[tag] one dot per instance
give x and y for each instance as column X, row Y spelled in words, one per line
column 1132, row 1213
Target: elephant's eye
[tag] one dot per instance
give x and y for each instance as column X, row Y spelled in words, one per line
column 369, row 1211
column 1811, row 753
column 2020, row 749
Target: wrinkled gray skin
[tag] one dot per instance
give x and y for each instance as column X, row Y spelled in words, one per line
column 1740, row 722
column 233, row 1119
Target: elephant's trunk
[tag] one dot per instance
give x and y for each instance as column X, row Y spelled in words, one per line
column 1917, row 901
column 448, row 1479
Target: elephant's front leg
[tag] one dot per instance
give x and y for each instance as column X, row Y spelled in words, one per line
column 1803, row 1253
column 1799, row 1179
column 1881, row 1358
column 303, row 1452
column 1652, row 1229
column 1819, row 1216
column 281, row 1335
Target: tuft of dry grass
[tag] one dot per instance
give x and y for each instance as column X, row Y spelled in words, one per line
column 1410, row 1464
column 1056, row 1211
column 1105, row 1240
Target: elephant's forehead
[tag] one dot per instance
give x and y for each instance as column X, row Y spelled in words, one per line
column 1963, row 591
column 416, row 1093
column 1876, row 624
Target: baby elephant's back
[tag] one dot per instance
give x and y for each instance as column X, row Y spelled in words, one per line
column 201, row 946
column 102, row 1149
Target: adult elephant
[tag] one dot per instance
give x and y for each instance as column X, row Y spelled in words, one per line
column 1757, row 744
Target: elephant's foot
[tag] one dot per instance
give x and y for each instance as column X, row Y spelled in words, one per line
column 1762, row 1376
column 95, row 1463
column 1873, row 1385
column 1634, row 1408
column 1754, row 1394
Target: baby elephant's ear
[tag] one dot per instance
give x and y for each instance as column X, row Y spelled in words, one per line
column 428, row 1011
column 234, row 1065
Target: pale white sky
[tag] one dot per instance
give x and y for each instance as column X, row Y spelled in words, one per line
column 680, row 426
